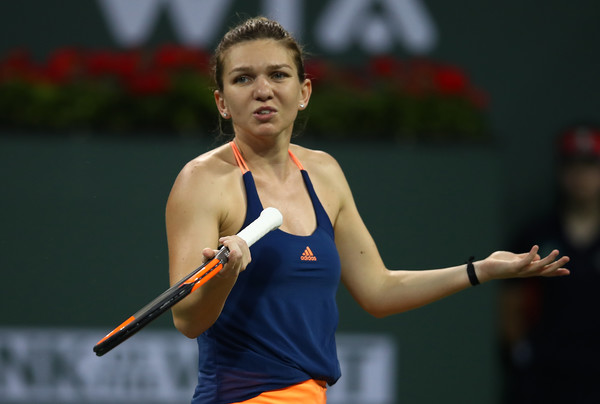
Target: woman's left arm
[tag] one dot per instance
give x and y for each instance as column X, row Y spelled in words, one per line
column 383, row 292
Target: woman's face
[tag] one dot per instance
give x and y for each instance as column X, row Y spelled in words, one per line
column 262, row 92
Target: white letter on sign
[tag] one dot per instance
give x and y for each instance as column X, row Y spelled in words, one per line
column 345, row 22
column 195, row 22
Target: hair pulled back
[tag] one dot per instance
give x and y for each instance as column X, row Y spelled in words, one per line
column 253, row 29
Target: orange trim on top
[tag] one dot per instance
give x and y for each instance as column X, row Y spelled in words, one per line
column 242, row 163
column 238, row 158
column 295, row 160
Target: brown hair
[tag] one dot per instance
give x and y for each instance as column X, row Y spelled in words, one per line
column 253, row 29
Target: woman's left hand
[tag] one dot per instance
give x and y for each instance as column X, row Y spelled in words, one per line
column 503, row 264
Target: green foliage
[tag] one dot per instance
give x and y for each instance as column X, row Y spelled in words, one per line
column 169, row 91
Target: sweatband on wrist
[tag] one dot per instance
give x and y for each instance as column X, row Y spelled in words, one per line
column 471, row 272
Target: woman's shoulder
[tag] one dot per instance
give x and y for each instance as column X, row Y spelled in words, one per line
column 322, row 167
column 215, row 169
column 213, row 163
column 316, row 159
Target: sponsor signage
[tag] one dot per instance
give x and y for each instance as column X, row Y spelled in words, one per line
column 44, row 365
column 337, row 26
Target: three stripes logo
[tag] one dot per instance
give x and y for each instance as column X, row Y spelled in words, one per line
column 308, row 255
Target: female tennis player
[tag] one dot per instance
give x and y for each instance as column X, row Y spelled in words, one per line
column 265, row 324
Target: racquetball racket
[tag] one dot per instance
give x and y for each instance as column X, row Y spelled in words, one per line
column 269, row 219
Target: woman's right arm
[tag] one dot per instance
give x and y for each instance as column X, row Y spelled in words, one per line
column 195, row 218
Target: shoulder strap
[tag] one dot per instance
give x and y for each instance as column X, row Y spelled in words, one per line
column 295, row 160
column 238, row 158
column 242, row 164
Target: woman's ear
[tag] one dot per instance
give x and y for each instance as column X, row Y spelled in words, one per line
column 221, row 104
column 305, row 92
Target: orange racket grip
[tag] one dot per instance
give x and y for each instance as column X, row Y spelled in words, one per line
column 116, row 330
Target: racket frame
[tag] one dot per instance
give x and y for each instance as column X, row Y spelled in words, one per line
column 269, row 219
column 164, row 302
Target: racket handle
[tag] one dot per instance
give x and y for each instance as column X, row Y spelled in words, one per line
column 269, row 219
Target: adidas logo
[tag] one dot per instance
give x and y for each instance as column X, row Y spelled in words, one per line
column 308, row 255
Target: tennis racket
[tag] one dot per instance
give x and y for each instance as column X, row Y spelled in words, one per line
column 269, row 219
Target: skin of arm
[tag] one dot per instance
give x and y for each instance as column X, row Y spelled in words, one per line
column 382, row 292
column 196, row 217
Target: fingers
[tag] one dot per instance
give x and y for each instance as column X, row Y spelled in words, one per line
column 532, row 255
column 239, row 255
column 548, row 266
column 548, row 259
column 523, row 259
column 556, row 268
column 503, row 264
column 209, row 253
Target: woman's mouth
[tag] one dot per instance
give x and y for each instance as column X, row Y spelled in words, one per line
column 264, row 113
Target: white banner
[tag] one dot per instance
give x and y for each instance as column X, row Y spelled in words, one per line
column 375, row 26
column 43, row 365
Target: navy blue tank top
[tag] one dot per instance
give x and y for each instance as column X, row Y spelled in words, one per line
column 279, row 321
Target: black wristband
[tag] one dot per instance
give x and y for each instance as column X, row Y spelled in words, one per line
column 471, row 272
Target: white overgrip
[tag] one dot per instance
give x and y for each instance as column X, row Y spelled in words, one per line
column 269, row 219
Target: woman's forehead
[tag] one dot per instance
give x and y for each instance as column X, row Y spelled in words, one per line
column 257, row 53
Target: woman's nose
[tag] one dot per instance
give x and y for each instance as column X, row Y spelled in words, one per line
column 263, row 89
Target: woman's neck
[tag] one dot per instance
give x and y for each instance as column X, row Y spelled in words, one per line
column 267, row 155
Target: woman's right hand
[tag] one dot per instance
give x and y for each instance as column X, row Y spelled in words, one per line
column 239, row 256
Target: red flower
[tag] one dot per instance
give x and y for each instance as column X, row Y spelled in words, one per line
column 174, row 57
column 127, row 63
column 384, row 66
column 63, row 65
column 17, row 61
column 450, row 80
column 419, row 77
column 149, row 83
column 107, row 63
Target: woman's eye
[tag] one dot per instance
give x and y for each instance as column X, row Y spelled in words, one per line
column 279, row 75
column 241, row 79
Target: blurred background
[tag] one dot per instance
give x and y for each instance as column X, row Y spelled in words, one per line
column 442, row 115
